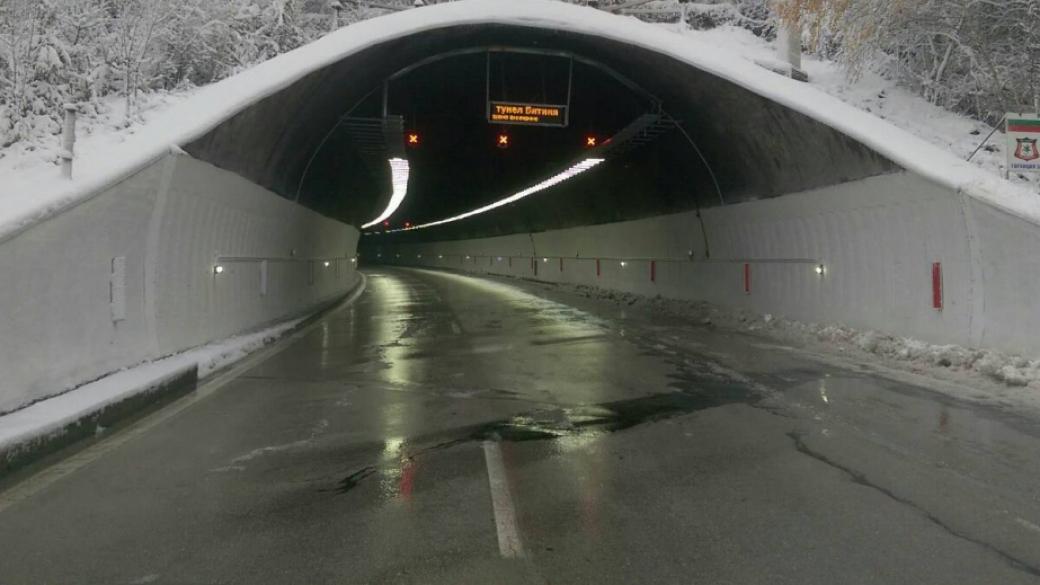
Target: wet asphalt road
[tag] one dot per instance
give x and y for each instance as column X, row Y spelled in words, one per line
column 449, row 429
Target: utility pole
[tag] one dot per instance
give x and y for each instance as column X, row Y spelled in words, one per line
column 337, row 7
column 789, row 46
column 68, row 140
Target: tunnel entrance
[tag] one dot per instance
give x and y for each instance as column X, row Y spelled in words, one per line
column 479, row 123
column 731, row 145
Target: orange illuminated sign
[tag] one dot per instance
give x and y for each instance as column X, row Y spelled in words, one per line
column 527, row 114
column 413, row 139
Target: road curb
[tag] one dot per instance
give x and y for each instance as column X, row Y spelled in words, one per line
column 157, row 394
column 151, row 396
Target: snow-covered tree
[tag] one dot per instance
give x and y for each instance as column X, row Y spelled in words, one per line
column 30, row 67
column 979, row 57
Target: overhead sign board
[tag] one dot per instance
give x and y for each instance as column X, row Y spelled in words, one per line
column 527, row 114
column 1023, row 142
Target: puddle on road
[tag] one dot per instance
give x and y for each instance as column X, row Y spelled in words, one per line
column 693, row 385
column 567, row 339
column 609, row 417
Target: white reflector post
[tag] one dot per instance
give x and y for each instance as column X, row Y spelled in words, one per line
column 399, row 182
column 576, row 169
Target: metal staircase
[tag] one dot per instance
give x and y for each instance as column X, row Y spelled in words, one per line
column 376, row 140
column 641, row 131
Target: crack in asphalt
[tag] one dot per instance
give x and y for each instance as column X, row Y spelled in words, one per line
column 861, row 479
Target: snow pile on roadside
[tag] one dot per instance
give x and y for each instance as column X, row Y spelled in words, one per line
column 1012, row 370
column 221, row 354
column 1007, row 369
column 49, row 417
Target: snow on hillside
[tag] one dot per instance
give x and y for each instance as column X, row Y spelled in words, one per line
column 96, row 130
column 872, row 93
column 37, row 158
column 31, row 186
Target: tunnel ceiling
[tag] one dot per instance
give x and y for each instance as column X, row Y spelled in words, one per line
column 755, row 147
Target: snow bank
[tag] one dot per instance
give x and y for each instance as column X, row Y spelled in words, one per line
column 49, row 417
column 951, row 362
column 31, row 197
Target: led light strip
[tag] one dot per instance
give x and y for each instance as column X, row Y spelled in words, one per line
column 399, row 181
column 577, row 169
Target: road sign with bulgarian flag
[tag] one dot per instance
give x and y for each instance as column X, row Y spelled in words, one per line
column 1023, row 136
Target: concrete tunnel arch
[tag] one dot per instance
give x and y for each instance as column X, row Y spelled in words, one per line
column 215, row 179
column 755, row 146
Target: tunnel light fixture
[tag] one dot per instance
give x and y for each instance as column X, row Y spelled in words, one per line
column 399, row 172
column 354, row 259
column 440, row 256
column 821, row 269
column 623, row 263
column 499, row 259
column 218, row 269
column 546, row 260
column 571, row 172
column 327, row 263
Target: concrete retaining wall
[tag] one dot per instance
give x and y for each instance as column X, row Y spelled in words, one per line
column 878, row 240
column 67, row 317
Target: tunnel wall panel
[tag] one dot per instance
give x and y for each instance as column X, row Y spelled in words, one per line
column 240, row 230
column 877, row 238
column 1008, row 263
column 171, row 222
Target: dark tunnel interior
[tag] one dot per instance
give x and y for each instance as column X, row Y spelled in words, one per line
column 754, row 147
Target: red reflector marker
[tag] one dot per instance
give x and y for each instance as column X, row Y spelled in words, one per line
column 937, row 286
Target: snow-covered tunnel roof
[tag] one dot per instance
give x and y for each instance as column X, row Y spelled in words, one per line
column 215, row 105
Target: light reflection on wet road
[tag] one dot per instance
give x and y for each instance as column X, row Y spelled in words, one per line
column 633, row 449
